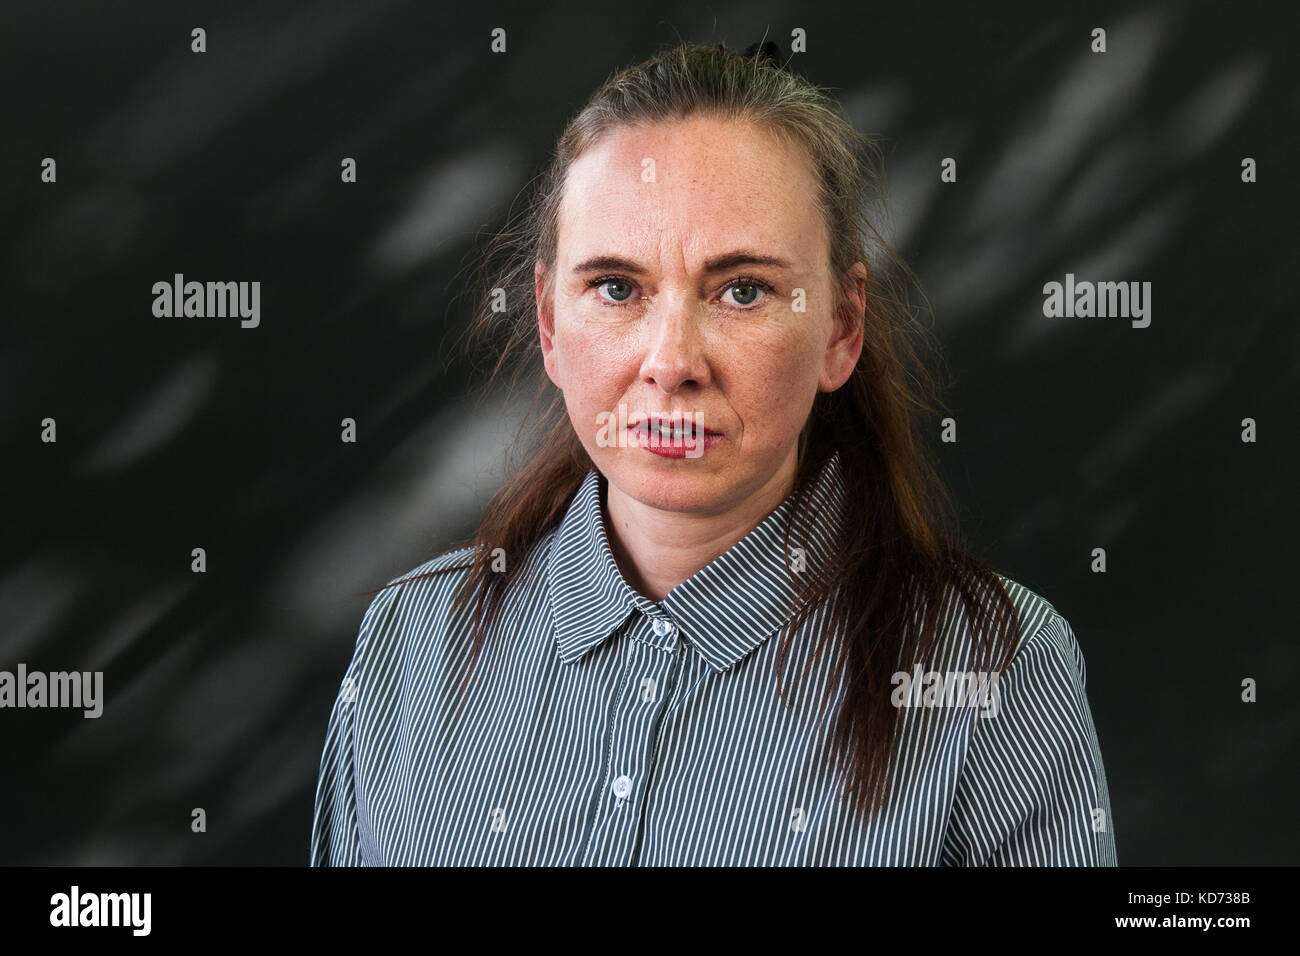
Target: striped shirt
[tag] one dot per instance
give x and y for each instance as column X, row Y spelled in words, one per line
column 602, row 728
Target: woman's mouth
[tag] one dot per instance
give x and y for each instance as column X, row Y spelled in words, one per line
column 674, row 437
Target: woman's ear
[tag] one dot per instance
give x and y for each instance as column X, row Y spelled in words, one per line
column 845, row 346
column 545, row 319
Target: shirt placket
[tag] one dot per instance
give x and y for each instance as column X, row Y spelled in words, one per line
column 650, row 663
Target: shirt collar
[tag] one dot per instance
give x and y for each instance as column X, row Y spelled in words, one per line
column 724, row 610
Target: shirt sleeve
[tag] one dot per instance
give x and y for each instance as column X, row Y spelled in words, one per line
column 1032, row 790
column 335, row 840
column 336, row 833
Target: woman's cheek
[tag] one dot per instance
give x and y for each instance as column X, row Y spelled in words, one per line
column 583, row 417
column 778, row 411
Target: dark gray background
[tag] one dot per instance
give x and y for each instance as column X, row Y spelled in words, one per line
column 177, row 433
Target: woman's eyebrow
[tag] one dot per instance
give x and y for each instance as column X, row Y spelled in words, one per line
column 723, row 263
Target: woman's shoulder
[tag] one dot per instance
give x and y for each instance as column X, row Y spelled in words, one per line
column 1043, row 629
column 449, row 568
column 420, row 605
column 432, row 578
column 1038, row 625
column 412, row 603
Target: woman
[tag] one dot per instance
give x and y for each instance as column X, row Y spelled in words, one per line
column 728, row 486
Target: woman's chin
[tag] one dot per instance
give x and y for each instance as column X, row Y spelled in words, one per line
column 684, row 491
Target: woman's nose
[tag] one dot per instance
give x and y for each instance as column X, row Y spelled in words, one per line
column 675, row 353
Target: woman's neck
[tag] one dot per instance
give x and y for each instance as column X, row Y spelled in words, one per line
column 656, row 549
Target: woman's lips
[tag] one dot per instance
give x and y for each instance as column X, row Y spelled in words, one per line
column 690, row 443
column 672, row 423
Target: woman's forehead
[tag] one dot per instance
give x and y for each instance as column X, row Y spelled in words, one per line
column 701, row 183
column 694, row 153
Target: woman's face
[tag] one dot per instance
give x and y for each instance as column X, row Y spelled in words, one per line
column 692, row 281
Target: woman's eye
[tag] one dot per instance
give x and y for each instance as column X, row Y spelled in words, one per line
column 748, row 296
column 619, row 291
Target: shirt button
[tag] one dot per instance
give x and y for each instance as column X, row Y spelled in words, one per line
column 621, row 786
column 663, row 628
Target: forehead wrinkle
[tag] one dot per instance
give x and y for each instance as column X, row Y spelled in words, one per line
column 653, row 231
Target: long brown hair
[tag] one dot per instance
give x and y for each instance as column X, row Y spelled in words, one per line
column 899, row 555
